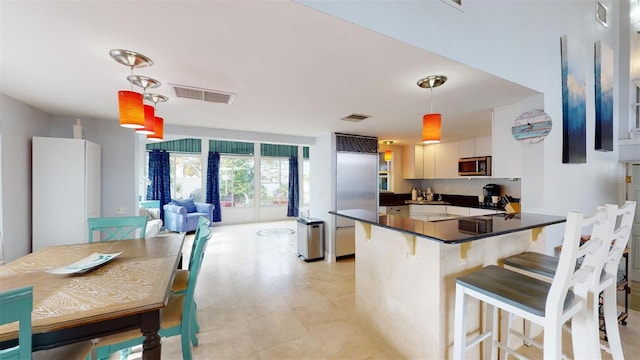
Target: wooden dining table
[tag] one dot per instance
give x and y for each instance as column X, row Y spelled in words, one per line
column 125, row 293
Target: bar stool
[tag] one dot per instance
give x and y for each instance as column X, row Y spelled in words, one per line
column 547, row 304
column 545, row 266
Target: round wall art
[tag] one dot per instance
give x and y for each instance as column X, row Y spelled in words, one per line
column 531, row 127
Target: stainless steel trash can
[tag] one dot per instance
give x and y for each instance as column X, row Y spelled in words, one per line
column 310, row 239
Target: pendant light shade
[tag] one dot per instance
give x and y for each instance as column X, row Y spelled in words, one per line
column 158, row 130
column 387, row 155
column 131, row 109
column 431, row 124
column 149, row 118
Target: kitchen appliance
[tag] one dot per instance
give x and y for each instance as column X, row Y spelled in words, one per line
column 310, row 239
column 489, row 191
column 474, row 166
column 356, row 185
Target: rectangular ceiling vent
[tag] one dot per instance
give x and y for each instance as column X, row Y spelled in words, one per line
column 214, row 96
column 355, row 117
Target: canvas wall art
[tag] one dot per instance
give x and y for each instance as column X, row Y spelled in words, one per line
column 574, row 114
column 603, row 61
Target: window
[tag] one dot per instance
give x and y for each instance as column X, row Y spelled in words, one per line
column 186, row 176
column 236, row 181
column 274, row 182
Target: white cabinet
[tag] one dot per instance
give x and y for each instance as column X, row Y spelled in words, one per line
column 419, row 162
column 458, row 210
column 427, row 209
column 65, row 190
column 413, row 162
column 467, row 148
column 483, row 146
column 429, row 161
column 480, row 146
column 447, row 155
column 477, row 212
column 506, row 151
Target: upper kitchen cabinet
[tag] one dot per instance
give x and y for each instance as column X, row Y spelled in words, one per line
column 480, row 146
column 447, row 155
column 506, row 151
column 413, row 158
column 429, row 161
column 419, row 162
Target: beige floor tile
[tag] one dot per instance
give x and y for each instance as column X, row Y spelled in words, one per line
column 303, row 296
column 345, row 341
column 321, row 315
column 304, row 348
column 273, row 330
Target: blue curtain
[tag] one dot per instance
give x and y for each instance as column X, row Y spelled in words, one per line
column 159, row 175
column 294, row 188
column 213, row 184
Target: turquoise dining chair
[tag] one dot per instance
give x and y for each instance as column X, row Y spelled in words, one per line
column 16, row 305
column 177, row 316
column 118, row 227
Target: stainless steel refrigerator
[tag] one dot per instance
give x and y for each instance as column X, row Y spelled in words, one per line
column 356, row 185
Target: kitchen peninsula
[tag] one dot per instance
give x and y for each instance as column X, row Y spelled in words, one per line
column 406, row 270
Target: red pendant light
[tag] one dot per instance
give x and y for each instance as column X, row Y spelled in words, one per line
column 158, row 130
column 388, row 154
column 432, row 122
column 131, row 110
column 158, row 122
column 149, row 118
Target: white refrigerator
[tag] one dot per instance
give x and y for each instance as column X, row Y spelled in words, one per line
column 65, row 190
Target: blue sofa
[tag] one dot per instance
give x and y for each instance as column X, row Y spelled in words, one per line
column 182, row 215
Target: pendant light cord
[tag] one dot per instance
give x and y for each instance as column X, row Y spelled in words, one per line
column 431, row 82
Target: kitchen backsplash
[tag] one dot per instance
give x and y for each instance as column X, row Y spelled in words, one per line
column 471, row 187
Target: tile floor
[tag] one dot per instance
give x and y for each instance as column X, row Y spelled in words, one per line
column 257, row 300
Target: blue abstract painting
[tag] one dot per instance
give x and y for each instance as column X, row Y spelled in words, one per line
column 604, row 96
column 574, row 113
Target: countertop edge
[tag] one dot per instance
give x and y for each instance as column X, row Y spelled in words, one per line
column 559, row 220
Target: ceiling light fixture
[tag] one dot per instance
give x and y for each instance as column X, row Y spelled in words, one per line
column 158, row 122
column 432, row 122
column 388, row 154
column 130, row 103
column 149, row 111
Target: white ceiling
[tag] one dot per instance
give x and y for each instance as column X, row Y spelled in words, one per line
column 296, row 71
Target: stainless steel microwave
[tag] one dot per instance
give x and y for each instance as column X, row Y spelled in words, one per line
column 475, row 166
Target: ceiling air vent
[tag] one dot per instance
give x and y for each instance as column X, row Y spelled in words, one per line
column 214, row 96
column 355, row 117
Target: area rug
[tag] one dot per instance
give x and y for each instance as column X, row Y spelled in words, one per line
column 275, row 232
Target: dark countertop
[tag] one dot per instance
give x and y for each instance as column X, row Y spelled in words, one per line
column 454, row 231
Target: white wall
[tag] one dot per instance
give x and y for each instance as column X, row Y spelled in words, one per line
column 18, row 124
column 322, row 184
column 518, row 41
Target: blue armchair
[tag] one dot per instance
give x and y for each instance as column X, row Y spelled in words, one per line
column 182, row 215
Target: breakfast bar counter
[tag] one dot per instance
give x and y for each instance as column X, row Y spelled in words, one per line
column 406, row 270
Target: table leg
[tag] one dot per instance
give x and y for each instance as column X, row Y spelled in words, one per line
column 150, row 325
